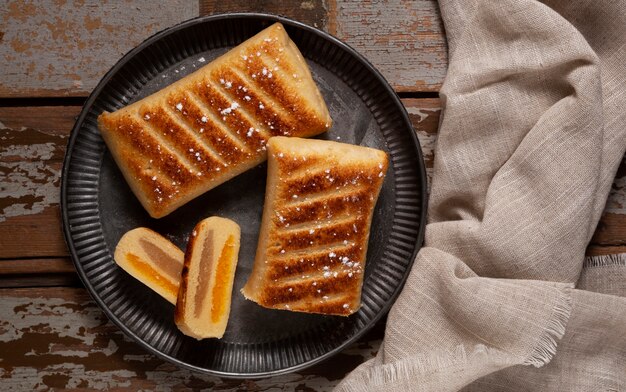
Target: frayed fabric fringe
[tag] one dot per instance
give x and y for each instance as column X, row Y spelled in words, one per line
column 605, row 261
column 553, row 332
column 411, row 367
column 378, row 377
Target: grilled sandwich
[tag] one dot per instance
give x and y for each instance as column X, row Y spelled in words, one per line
column 207, row 279
column 151, row 259
column 318, row 209
column 214, row 124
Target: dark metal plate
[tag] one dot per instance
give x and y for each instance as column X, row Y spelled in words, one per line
column 98, row 206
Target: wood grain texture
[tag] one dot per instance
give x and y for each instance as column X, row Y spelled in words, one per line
column 599, row 250
column 63, row 48
column 38, row 273
column 81, row 40
column 58, row 338
column 312, row 12
column 404, row 39
column 32, row 146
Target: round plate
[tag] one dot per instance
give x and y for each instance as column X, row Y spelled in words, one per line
column 98, row 206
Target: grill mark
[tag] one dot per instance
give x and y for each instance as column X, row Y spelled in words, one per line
column 316, row 280
column 179, row 140
column 277, row 119
column 294, row 167
column 304, row 292
column 315, row 263
column 335, row 180
column 339, row 232
column 217, row 130
column 190, row 119
column 211, row 133
column 281, row 56
column 202, row 145
column 261, row 127
column 310, row 223
column 286, row 193
column 281, row 94
column 297, row 253
column 147, row 144
column 336, row 307
column 153, row 182
column 234, row 122
column 286, row 67
column 331, row 306
column 332, row 207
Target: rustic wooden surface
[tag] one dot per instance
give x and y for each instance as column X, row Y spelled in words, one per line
column 82, row 39
column 52, row 53
column 56, row 48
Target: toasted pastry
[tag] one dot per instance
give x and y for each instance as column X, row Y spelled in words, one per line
column 207, row 279
column 151, row 259
column 318, row 209
column 213, row 124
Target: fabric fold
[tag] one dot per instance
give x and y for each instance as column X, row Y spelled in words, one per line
column 532, row 132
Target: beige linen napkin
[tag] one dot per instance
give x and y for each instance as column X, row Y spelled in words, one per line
column 533, row 129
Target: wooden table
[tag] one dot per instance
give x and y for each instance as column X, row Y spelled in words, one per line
column 52, row 53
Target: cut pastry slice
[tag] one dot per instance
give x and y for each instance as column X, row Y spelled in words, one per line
column 207, row 279
column 213, row 124
column 318, row 209
column 152, row 259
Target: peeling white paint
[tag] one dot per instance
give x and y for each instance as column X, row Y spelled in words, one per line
column 403, row 39
column 31, row 178
column 64, row 317
column 100, row 380
column 33, row 151
column 307, row 5
column 109, row 350
column 54, row 313
column 418, row 112
column 428, row 141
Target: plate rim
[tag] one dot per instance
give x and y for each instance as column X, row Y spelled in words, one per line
column 208, row 19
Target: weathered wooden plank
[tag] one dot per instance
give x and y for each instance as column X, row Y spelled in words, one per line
column 312, row 12
column 38, row 273
column 58, row 338
column 31, row 153
column 54, row 120
column 599, row 250
column 404, row 39
column 424, row 115
column 611, row 230
column 33, row 143
column 612, row 227
column 50, row 49
column 63, row 48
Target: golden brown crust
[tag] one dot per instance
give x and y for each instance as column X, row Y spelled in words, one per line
column 214, row 124
column 319, row 204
